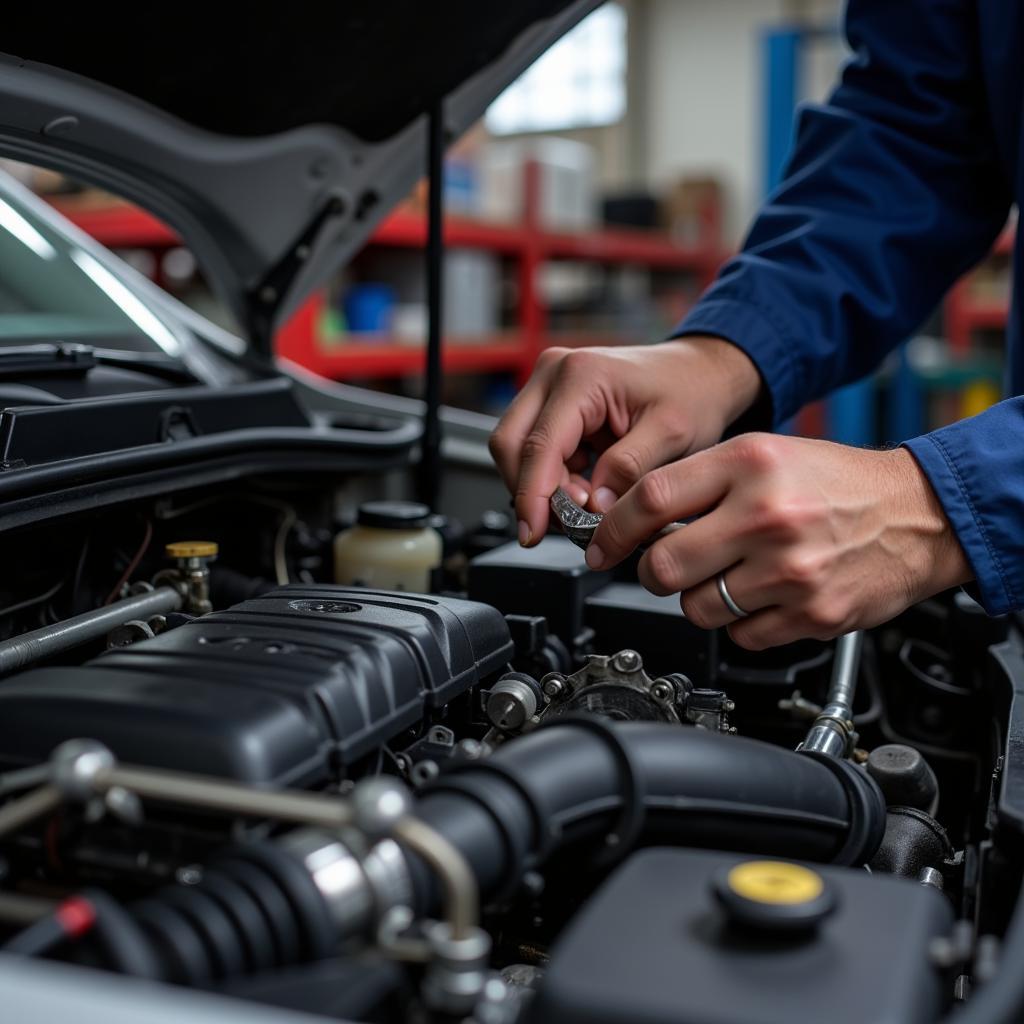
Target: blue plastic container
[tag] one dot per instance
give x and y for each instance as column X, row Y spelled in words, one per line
column 368, row 308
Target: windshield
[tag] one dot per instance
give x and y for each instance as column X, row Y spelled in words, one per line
column 51, row 289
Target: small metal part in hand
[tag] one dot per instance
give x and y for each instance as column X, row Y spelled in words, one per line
column 579, row 525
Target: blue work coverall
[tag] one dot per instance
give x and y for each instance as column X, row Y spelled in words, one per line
column 897, row 185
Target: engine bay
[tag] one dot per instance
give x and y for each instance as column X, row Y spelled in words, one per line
column 527, row 792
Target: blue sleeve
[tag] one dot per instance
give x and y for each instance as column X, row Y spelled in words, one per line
column 893, row 190
column 976, row 468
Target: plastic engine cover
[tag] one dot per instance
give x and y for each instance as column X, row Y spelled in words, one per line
column 288, row 688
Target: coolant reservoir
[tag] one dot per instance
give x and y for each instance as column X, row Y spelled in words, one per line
column 391, row 547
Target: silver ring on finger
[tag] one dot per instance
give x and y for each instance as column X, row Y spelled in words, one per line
column 733, row 607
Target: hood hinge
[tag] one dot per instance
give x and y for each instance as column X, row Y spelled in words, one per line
column 263, row 301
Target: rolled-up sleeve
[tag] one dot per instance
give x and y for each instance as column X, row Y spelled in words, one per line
column 976, row 468
column 893, row 190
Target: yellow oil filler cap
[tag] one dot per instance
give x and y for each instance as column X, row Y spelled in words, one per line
column 774, row 895
column 191, row 549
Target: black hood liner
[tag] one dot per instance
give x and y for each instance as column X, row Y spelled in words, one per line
column 371, row 66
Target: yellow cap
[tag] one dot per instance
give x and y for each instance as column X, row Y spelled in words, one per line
column 192, row 549
column 775, row 882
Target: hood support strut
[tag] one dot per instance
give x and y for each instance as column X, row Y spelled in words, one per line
column 430, row 467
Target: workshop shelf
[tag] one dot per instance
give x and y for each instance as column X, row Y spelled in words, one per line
column 966, row 312
column 527, row 244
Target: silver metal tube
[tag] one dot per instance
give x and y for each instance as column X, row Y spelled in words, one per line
column 25, row 809
column 831, row 731
column 16, row 908
column 19, row 651
column 215, row 794
column 328, row 812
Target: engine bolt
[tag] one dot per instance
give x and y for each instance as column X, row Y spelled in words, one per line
column 189, row 874
column 470, row 749
column 378, row 803
column 553, row 687
column 627, row 661
column 76, row 764
column 662, row 691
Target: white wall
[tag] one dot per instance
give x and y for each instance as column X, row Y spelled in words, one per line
column 699, row 91
column 703, row 101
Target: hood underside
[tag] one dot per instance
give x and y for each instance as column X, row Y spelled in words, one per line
column 274, row 148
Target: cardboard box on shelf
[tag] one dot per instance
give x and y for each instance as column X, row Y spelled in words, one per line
column 691, row 210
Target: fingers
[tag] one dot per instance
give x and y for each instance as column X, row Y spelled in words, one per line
column 689, row 555
column 507, row 441
column 678, row 491
column 649, row 443
column 704, row 606
column 578, row 488
column 770, row 628
column 567, row 417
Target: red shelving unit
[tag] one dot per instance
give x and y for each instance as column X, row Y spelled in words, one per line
column 119, row 225
column 966, row 312
column 528, row 244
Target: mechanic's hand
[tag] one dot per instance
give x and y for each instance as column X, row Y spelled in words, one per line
column 814, row 538
column 639, row 406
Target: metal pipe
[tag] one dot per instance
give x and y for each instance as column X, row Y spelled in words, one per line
column 16, row 908
column 26, row 809
column 328, row 812
column 831, row 731
column 19, row 651
column 213, row 794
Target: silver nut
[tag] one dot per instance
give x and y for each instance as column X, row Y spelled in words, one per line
column 189, row 874
column 124, row 805
column 470, row 749
column 627, row 661
column 662, row 691
column 129, row 633
column 457, row 973
column 75, row 765
column 553, row 687
column 378, row 803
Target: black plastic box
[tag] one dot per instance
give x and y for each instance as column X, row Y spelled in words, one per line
column 653, row 945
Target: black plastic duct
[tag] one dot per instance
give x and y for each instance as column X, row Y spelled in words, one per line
column 609, row 785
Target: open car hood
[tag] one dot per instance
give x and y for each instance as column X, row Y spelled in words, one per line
column 273, row 147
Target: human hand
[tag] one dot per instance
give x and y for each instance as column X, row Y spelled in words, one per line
column 638, row 406
column 814, row 538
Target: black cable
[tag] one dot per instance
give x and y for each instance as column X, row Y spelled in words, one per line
column 429, row 475
column 72, row 918
column 31, row 601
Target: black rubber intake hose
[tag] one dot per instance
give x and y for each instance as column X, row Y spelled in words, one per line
column 256, row 909
column 608, row 785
